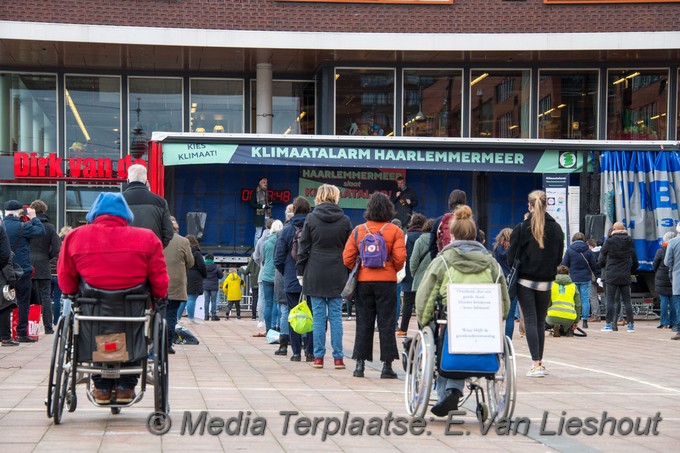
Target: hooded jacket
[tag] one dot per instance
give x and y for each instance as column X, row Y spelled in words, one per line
column 564, row 280
column 662, row 277
column 282, row 258
column 618, row 258
column 196, row 273
column 407, row 282
column 322, row 241
column 537, row 264
column 179, row 259
column 468, row 257
column 213, row 275
column 268, row 268
column 420, row 259
column 672, row 261
column 580, row 261
column 20, row 234
column 44, row 248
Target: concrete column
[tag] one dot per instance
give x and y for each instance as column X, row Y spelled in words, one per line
column 25, row 123
column 5, row 106
column 38, row 127
column 263, row 111
column 49, row 136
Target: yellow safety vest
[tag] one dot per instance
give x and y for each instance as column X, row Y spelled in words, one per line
column 563, row 305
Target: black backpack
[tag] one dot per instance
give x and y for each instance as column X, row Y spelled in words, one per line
column 184, row 336
column 296, row 243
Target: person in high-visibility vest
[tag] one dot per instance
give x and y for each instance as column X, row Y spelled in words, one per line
column 565, row 307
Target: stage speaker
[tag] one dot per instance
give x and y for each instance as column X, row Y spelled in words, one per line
column 196, row 224
column 595, row 227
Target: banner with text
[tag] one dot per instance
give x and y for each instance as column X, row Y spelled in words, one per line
column 355, row 185
column 549, row 161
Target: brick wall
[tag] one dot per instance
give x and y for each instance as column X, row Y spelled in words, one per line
column 465, row 16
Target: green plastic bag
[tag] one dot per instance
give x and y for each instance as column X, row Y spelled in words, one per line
column 300, row 318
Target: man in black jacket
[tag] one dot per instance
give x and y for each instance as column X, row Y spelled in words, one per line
column 150, row 211
column 404, row 200
column 43, row 249
column 619, row 261
column 6, row 306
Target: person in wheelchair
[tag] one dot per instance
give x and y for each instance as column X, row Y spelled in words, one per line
column 467, row 261
column 109, row 254
column 565, row 308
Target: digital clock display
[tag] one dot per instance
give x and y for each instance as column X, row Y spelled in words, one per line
column 280, row 196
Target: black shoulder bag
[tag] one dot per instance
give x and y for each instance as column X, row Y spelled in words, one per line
column 513, row 275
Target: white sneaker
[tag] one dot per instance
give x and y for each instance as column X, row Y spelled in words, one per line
column 545, row 371
column 535, row 372
column 194, row 321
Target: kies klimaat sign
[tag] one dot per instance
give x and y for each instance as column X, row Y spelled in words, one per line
column 53, row 168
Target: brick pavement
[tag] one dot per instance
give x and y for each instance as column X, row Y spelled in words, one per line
column 627, row 375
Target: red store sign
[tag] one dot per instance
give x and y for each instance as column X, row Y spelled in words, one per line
column 51, row 167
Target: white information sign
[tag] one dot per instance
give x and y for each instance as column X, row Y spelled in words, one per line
column 474, row 318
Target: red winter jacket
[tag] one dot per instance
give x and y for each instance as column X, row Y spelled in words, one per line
column 109, row 254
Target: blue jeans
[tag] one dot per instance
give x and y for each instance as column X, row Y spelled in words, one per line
column 327, row 309
column 584, row 293
column 444, row 384
column 283, row 320
column 267, row 291
column 210, row 295
column 665, row 309
column 276, row 315
column 675, row 312
column 191, row 305
column 510, row 320
column 56, row 297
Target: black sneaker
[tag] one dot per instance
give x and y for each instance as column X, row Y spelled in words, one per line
column 295, row 358
column 49, row 332
column 10, row 342
column 25, row 339
column 448, row 404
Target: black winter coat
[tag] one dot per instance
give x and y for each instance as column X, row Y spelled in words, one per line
column 5, row 254
column 403, row 211
column 411, row 238
column 538, row 265
column 196, row 274
column 322, row 241
column 618, row 258
column 213, row 276
column 150, row 211
column 282, row 258
column 580, row 260
column 662, row 278
column 44, row 248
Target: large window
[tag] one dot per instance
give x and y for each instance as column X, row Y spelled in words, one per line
column 432, row 103
column 293, row 106
column 567, row 107
column 364, row 101
column 155, row 104
column 93, row 117
column 217, row 105
column 637, row 104
column 28, row 108
column 79, row 200
column 499, row 103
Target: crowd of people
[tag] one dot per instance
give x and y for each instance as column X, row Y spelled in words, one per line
column 306, row 258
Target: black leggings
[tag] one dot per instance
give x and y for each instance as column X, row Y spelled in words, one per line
column 534, row 305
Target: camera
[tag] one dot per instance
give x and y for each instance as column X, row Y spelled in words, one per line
column 24, row 213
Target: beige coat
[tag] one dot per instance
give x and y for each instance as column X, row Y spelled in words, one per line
column 178, row 258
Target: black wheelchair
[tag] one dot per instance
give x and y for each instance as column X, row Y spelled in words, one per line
column 88, row 316
column 426, row 356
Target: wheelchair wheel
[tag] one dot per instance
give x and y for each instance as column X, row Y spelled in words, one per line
column 502, row 388
column 419, row 373
column 62, row 368
column 160, row 365
column 53, row 367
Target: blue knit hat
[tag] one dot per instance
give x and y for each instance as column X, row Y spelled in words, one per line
column 112, row 204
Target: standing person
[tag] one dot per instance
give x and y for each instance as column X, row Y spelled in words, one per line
column 594, row 287
column 211, row 287
column 150, row 211
column 672, row 261
column 284, row 262
column 376, row 287
column 582, row 265
column 565, row 304
column 109, row 254
column 619, row 260
column 56, row 291
column 6, row 306
column 420, row 258
column 231, row 287
column 268, row 277
column 500, row 253
column 663, row 284
column 404, row 200
column 20, row 233
column 321, row 271
column 468, row 257
column 195, row 276
column 43, row 249
column 539, row 243
column 178, row 259
column 414, row 231
column 440, row 236
column 262, row 204
column 253, row 269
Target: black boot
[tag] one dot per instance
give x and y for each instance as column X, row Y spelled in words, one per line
column 359, row 370
column 283, row 345
column 585, row 323
column 387, row 371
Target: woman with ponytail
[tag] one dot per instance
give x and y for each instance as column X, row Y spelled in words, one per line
column 538, row 242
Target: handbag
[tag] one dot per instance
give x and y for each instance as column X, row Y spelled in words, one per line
column 593, row 277
column 513, row 275
column 273, row 336
column 300, row 317
column 351, row 285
